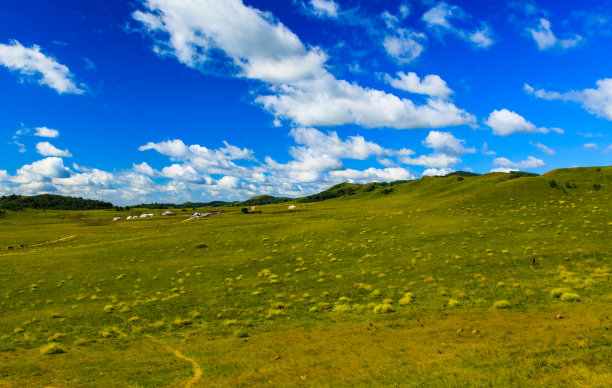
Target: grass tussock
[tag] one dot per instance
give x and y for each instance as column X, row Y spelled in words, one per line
column 502, row 304
column 52, row 348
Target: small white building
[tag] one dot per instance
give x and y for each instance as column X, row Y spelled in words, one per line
column 168, row 213
column 117, row 219
column 291, row 207
column 146, row 215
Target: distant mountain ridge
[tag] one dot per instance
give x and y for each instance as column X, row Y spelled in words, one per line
column 562, row 179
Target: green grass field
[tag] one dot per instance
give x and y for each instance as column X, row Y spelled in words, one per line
column 430, row 285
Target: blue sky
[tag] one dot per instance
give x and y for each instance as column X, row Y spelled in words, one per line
column 161, row 100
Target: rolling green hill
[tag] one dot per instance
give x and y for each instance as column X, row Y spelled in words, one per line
column 483, row 281
column 51, row 202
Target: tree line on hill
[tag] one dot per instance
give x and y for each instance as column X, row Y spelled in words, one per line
column 16, row 202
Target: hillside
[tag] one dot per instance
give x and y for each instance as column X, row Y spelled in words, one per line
column 262, row 200
column 51, row 202
column 480, row 281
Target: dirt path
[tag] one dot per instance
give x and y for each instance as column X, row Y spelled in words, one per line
column 197, row 371
column 45, row 243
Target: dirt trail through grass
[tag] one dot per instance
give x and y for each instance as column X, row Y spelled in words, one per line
column 197, row 371
column 48, row 242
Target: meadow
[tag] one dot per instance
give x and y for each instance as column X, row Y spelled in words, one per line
column 453, row 281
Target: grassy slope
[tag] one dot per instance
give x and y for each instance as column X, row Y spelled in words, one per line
column 305, row 285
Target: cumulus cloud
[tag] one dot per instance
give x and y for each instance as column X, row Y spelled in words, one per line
column 185, row 173
column 318, row 152
column 404, row 45
column 47, row 149
column 437, row 172
column 597, row 101
column 432, row 160
column 373, row 175
column 89, row 178
column 445, row 18
column 528, row 163
column 42, row 171
column 546, row 39
column 324, row 8
column 504, row 169
column 143, row 168
column 299, row 86
column 317, row 161
column 394, row 20
column 46, row 132
column 331, row 102
column 543, row 148
column 215, row 161
column 431, row 85
column 446, row 143
column 447, row 151
column 33, row 64
column 505, row 122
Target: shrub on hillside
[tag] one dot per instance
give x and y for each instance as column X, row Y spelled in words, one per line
column 570, row 297
column 501, row 304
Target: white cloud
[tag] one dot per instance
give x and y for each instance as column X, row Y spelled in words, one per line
column 317, row 142
column 486, row 150
column 184, row 173
column 437, row 172
column 331, row 102
column 300, row 88
column 505, row 122
column 89, row 178
column 447, row 149
column 441, row 19
column 373, row 175
column 143, row 168
column 432, row 160
column 317, row 162
column 481, row 38
column 194, row 29
column 504, row 169
column 543, row 148
column 228, row 182
column 324, row 8
column 431, row 85
column 175, row 149
column 528, row 163
column 31, row 62
column 446, row 143
column 545, row 39
column 42, row 170
column 47, row 149
column 404, row 45
column 591, row 147
column 46, row 132
column 213, row 161
column 596, row 101
column 321, row 152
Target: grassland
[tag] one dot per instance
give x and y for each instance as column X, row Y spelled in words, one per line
column 432, row 284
